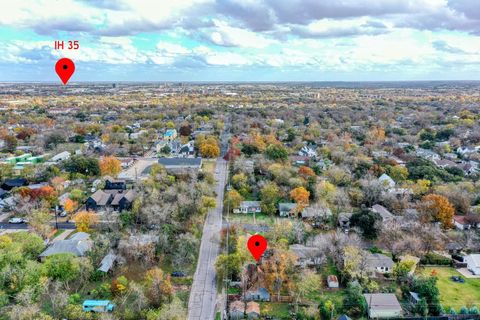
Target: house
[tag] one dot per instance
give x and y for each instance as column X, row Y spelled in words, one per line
column 237, row 310
column 306, row 151
column 187, row 150
column 123, row 200
column 307, row 256
column 461, row 223
column 117, row 199
column 180, row 164
column 473, row 263
column 62, row 156
column 9, row 184
column 427, row 154
column 467, row 150
column 115, row 184
column 386, row 181
column 253, row 310
column 107, row 262
column 248, row 207
column 127, row 162
column 383, row 212
column 285, row 209
column 454, row 247
column 79, row 244
column 170, row 135
column 382, row 305
column 470, row 167
column 332, row 281
column 259, row 294
column 99, row 200
column 378, row 263
column 299, row 160
column 316, row 214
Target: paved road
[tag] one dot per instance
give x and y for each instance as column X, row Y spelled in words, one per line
column 201, row 305
column 63, row 225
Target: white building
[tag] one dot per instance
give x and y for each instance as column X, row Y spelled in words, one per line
column 473, row 263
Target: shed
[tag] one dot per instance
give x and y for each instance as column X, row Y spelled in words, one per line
column 383, row 305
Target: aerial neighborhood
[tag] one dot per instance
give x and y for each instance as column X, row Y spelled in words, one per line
column 113, row 196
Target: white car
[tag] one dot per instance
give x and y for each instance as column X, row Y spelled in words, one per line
column 16, row 220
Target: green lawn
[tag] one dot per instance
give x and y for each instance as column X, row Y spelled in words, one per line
column 453, row 294
column 247, row 218
column 275, row 309
column 58, row 232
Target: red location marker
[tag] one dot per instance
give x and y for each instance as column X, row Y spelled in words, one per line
column 65, row 68
column 257, row 246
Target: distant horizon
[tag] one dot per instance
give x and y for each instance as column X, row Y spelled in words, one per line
column 230, row 81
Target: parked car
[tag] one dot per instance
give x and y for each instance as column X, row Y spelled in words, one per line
column 62, row 214
column 16, row 220
column 178, row 274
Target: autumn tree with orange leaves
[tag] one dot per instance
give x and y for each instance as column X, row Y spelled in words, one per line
column 438, row 208
column 301, row 197
column 70, row 205
column 84, row 220
column 110, row 166
column 306, row 172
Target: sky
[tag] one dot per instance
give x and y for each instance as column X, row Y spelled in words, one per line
column 242, row 40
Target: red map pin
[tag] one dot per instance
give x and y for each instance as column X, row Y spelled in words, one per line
column 257, row 246
column 65, row 68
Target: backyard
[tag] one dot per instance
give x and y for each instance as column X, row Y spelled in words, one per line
column 454, row 294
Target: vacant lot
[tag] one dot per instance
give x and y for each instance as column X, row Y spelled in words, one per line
column 453, row 294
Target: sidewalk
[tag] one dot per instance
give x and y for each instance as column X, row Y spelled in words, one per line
column 63, row 235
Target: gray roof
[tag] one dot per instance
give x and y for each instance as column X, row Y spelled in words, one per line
column 80, row 236
column 78, row 248
column 286, row 206
column 304, row 252
column 107, row 262
column 316, row 211
column 375, row 260
column 382, row 302
column 382, row 211
column 180, row 162
column 249, row 204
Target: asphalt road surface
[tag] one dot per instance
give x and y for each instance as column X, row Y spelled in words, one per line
column 201, row 305
column 62, row 225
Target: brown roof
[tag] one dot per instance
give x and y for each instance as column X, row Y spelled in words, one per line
column 253, row 307
column 460, row 219
column 100, row 197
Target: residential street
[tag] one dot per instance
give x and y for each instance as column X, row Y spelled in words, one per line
column 201, row 305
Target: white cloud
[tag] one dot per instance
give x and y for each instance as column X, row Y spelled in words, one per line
column 224, row 35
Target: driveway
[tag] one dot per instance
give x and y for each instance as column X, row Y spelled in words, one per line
column 203, row 295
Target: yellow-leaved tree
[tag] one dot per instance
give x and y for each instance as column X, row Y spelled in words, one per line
column 84, row 220
column 110, row 166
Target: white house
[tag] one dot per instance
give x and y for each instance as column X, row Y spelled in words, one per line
column 307, row 152
column 473, row 263
column 248, row 207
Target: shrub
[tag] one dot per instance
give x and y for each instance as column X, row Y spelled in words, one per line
column 435, row 259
